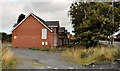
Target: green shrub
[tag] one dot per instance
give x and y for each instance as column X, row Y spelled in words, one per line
column 40, row 49
column 37, row 48
column 48, row 49
column 91, row 52
column 84, row 54
column 33, row 48
column 58, row 49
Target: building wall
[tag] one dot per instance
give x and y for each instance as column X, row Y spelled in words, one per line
column 29, row 34
column 60, row 42
column 55, row 37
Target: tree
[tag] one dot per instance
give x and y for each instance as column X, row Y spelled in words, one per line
column 20, row 18
column 93, row 21
column 5, row 37
column 10, row 37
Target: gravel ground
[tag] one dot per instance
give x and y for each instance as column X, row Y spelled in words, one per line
column 29, row 59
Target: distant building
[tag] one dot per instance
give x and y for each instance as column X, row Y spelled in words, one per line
column 72, row 37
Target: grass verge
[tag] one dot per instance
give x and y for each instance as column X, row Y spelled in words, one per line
column 91, row 55
column 8, row 59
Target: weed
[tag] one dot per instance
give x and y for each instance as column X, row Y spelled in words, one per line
column 84, row 54
column 8, row 59
column 91, row 55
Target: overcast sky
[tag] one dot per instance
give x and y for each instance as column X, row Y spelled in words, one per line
column 56, row 10
column 48, row 10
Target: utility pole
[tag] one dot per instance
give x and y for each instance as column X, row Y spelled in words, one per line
column 113, row 21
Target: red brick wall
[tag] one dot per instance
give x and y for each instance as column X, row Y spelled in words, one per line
column 29, row 34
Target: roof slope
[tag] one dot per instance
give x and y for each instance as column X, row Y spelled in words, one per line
column 36, row 17
column 39, row 18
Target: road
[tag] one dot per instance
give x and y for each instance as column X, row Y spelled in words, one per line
column 106, row 42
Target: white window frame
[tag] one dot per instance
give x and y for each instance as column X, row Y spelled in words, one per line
column 44, row 33
column 42, row 43
column 46, row 43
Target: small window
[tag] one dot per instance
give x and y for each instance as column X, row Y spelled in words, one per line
column 42, row 43
column 15, row 37
column 45, row 43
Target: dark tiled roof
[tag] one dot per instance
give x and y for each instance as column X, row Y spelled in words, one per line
column 52, row 23
column 62, row 29
column 15, row 25
column 47, row 23
column 36, row 17
column 39, row 18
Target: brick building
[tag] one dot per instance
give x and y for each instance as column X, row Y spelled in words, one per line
column 33, row 31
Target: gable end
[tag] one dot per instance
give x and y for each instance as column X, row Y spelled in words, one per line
column 35, row 18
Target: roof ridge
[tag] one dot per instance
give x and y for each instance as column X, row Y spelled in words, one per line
column 38, row 18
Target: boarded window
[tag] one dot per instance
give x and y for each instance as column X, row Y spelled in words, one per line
column 44, row 33
column 42, row 43
column 55, row 42
column 45, row 43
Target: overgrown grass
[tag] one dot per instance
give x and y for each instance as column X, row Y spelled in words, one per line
column 91, row 55
column 48, row 49
column 8, row 59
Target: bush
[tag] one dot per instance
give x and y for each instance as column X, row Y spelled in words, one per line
column 40, row 49
column 84, row 54
column 48, row 49
column 91, row 52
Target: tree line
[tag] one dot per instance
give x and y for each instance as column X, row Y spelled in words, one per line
column 4, row 37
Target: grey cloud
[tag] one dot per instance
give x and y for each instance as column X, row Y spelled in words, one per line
column 50, row 11
column 45, row 6
column 45, row 10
